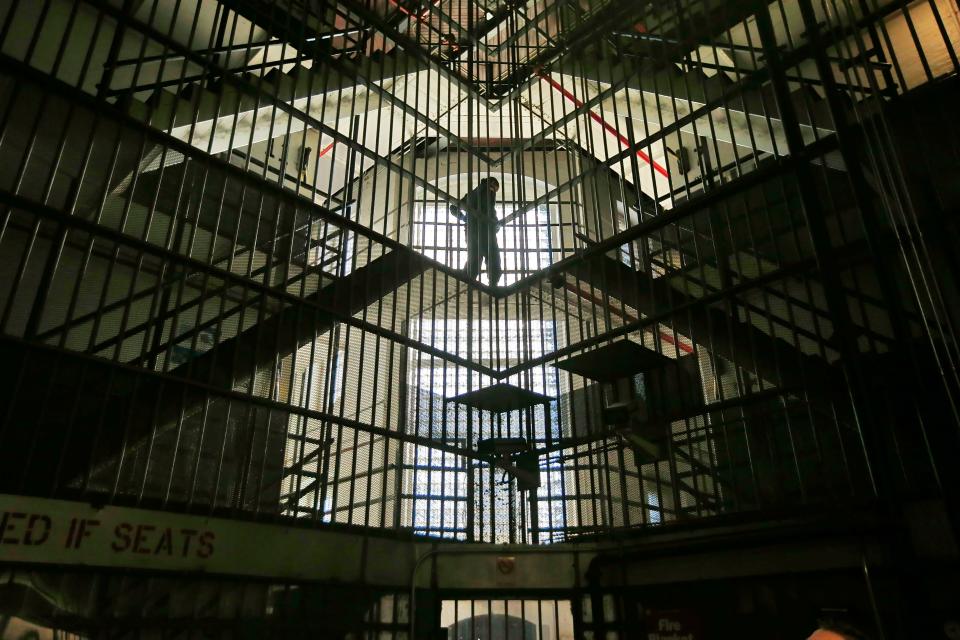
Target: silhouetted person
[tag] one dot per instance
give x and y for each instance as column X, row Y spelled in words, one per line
column 304, row 162
column 478, row 210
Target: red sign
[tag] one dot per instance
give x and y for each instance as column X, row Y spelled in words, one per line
column 673, row 624
column 506, row 564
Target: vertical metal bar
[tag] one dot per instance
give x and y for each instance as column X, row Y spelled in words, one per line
column 821, row 241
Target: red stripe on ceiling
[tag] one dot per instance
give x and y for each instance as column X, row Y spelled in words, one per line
column 666, row 337
column 423, row 14
column 327, row 148
column 606, row 125
column 404, row 10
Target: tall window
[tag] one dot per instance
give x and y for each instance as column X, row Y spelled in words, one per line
column 435, row 492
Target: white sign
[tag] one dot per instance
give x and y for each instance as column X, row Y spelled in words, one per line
column 37, row 530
